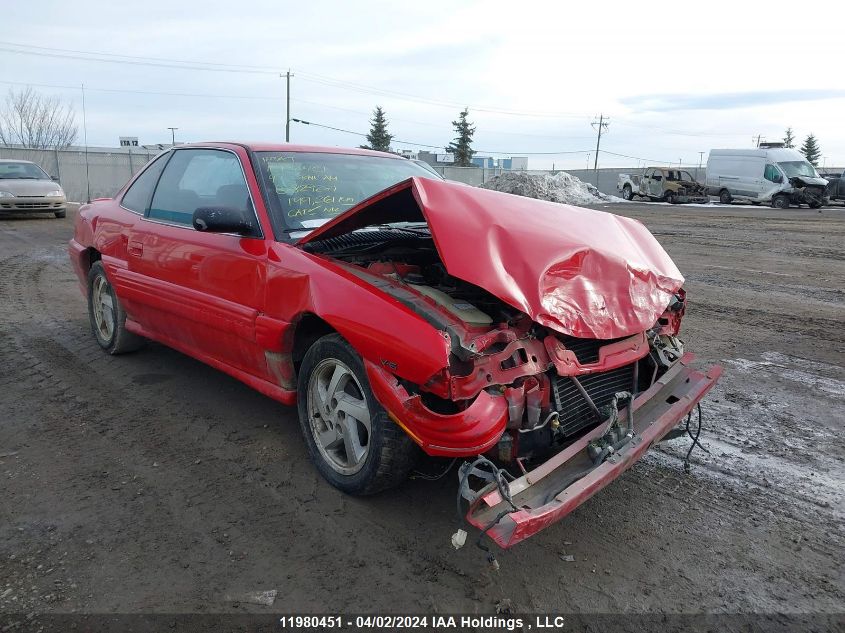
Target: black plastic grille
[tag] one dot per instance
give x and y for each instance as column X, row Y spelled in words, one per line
column 586, row 350
column 574, row 412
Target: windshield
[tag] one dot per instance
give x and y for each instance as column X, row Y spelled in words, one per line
column 26, row 171
column 798, row 168
column 307, row 189
column 675, row 175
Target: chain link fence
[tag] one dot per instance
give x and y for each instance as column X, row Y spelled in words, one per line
column 97, row 173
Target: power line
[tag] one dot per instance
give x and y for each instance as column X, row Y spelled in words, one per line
column 139, row 57
column 484, row 151
column 163, row 62
column 143, row 92
column 137, row 63
column 261, row 70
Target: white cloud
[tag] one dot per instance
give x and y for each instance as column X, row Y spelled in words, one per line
column 575, row 59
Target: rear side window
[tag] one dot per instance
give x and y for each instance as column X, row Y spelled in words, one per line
column 196, row 178
column 137, row 197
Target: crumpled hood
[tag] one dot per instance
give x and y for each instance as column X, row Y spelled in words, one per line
column 808, row 181
column 581, row 272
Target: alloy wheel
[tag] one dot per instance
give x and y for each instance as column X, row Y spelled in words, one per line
column 339, row 416
column 103, row 308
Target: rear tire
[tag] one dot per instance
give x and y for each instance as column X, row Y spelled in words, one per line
column 351, row 439
column 669, row 197
column 725, row 196
column 627, row 193
column 780, row 202
column 106, row 314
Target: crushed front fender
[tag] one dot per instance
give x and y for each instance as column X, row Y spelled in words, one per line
column 551, row 491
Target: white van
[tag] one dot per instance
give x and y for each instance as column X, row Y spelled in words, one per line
column 779, row 176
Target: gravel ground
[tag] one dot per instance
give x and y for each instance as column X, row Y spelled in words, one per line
column 152, row 483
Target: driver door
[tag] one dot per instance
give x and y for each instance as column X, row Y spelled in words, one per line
column 201, row 291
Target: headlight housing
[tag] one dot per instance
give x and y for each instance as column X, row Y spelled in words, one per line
column 56, row 193
column 6, row 194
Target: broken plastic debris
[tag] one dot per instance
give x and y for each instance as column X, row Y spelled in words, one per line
column 458, row 539
column 569, row 558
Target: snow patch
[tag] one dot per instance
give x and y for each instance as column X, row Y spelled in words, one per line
column 562, row 187
column 786, row 367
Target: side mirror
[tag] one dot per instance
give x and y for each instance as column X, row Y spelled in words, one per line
column 54, row 178
column 223, row 220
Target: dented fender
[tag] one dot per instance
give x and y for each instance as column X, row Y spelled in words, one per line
column 470, row 432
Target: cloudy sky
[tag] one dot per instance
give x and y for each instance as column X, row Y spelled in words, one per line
column 673, row 80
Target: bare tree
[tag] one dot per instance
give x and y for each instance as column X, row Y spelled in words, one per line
column 36, row 121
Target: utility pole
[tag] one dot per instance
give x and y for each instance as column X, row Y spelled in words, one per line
column 173, row 135
column 287, row 77
column 759, row 136
column 700, row 160
column 85, row 137
column 599, row 125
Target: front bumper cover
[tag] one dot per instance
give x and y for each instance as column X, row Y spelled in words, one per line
column 32, row 204
column 555, row 488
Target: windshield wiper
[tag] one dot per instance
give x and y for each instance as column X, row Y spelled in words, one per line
column 418, row 229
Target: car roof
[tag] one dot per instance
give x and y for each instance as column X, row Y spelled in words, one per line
column 289, row 147
column 15, row 160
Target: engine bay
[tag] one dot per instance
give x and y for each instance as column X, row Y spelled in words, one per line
column 557, row 387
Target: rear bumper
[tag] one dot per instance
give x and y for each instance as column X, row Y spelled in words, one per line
column 555, row 488
column 78, row 256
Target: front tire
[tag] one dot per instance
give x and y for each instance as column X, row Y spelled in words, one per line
column 670, row 197
column 780, row 202
column 106, row 314
column 725, row 196
column 60, row 214
column 350, row 437
column 627, row 193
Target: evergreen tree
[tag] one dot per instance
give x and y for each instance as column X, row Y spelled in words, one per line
column 378, row 138
column 461, row 146
column 811, row 150
column 789, row 138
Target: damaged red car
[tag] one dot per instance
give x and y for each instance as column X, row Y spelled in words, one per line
column 403, row 315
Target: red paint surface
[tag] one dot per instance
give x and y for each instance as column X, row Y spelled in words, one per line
column 582, row 272
column 236, row 303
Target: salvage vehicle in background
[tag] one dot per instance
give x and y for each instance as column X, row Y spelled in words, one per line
column 835, row 185
column 667, row 184
column 628, row 185
column 779, row 176
column 403, row 315
column 26, row 188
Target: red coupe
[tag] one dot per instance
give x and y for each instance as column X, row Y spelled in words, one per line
column 403, row 314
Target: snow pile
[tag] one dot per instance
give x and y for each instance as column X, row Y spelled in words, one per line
column 561, row 187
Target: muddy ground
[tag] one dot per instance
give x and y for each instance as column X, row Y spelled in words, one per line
column 153, row 483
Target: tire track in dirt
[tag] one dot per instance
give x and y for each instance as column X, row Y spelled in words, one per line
column 74, row 367
column 669, row 541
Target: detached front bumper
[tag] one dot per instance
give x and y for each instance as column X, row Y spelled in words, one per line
column 555, row 488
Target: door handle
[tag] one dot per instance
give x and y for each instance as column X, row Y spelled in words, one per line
column 136, row 248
